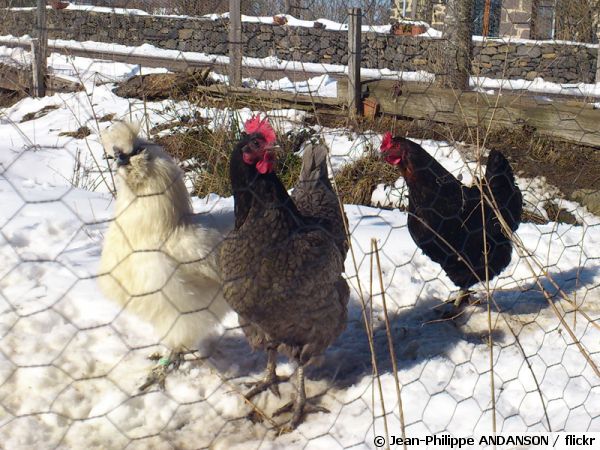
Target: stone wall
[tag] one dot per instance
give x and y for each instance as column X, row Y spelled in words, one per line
column 495, row 58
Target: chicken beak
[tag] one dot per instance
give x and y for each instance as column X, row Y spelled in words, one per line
column 121, row 158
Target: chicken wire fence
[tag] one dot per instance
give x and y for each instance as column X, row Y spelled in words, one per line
column 104, row 266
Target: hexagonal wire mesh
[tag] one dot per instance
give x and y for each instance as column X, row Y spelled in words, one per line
column 107, row 259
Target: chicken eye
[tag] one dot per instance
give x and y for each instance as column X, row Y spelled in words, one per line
column 254, row 144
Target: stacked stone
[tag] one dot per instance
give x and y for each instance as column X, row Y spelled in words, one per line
column 557, row 62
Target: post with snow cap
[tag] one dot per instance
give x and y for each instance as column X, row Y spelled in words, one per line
column 354, row 57
column 38, row 52
column 235, row 43
column 596, row 20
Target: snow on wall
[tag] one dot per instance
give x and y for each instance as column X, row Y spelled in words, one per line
column 559, row 62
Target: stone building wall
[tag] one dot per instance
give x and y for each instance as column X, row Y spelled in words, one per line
column 494, row 58
column 515, row 18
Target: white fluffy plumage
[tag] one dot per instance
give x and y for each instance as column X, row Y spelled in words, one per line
column 159, row 260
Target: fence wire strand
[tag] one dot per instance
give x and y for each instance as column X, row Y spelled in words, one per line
column 144, row 288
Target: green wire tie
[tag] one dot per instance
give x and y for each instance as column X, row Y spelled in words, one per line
column 164, row 362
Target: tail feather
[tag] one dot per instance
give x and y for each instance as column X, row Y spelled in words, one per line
column 314, row 195
column 501, row 182
column 314, row 166
column 120, row 136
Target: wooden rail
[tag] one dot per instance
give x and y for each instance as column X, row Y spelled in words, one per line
column 571, row 120
column 178, row 64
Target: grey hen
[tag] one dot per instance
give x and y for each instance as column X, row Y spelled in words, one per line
column 282, row 264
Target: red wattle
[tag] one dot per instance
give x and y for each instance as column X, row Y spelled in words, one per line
column 264, row 166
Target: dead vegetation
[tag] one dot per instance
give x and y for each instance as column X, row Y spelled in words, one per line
column 357, row 181
column 9, row 97
column 37, row 114
column 570, row 167
column 206, row 153
column 80, row 133
column 161, row 86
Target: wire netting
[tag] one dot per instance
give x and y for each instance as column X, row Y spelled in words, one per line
column 120, row 255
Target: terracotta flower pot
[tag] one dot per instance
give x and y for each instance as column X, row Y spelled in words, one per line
column 370, row 108
column 279, row 20
column 58, row 4
column 407, row 29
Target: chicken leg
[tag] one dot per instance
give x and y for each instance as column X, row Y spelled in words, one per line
column 463, row 294
column 300, row 406
column 158, row 373
column 270, row 381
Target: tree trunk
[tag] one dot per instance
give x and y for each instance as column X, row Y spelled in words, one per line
column 457, row 46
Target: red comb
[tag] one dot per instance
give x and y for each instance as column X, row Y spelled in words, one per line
column 387, row 142
column 255, row 125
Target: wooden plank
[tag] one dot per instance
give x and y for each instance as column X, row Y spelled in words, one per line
column 17, row 78
column 354, row 58
column 572, row 121
column 288, row 97
column 235, row 43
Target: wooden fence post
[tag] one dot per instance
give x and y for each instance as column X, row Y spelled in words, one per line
column 235, row 43
column 39, row 47
column 596, row 20
column 354, row 57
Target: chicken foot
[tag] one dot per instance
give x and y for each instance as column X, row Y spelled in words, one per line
column 463, row 294
column 300, row 406
column 270, row 381
column 158, row 373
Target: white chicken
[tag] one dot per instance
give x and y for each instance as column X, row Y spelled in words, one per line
column 159, row 259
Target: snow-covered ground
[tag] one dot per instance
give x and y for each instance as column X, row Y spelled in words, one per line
column 71, row 361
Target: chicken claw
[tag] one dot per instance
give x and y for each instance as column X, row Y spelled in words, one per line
column 300, row 406
column 299, row 409
column 270, row 381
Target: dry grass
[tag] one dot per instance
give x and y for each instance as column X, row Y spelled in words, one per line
column 207, row 153
column 41, row 113
column 80, row 133
column 357, row 181
column 160, row 86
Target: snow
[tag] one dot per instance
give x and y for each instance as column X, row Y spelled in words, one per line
column 71, row 360
column 318, row 85
column 515, row 40
column 291, row 21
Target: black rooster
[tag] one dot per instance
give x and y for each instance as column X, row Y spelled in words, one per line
column 446, row 219
column 282, row 264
